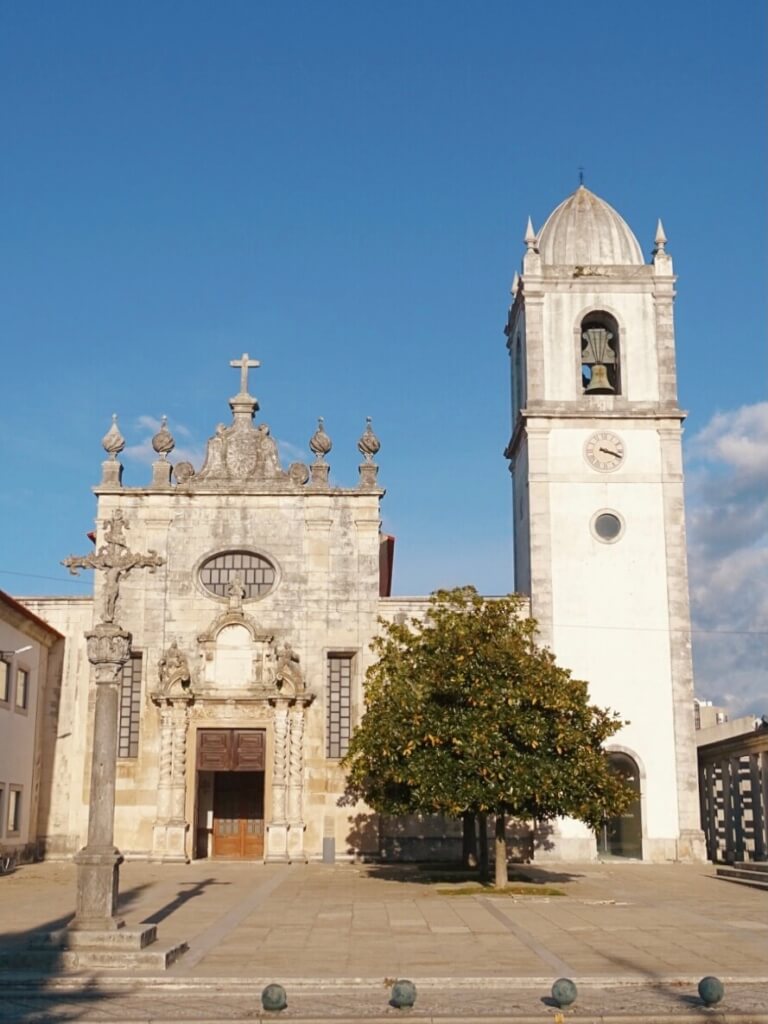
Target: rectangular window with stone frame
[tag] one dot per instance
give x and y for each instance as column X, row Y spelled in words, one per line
column 5, row 682
column 129, row 711
column 22, row 689
column 13, row 821
column 338, row 704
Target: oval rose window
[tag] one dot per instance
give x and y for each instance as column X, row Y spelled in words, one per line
column 256, row 574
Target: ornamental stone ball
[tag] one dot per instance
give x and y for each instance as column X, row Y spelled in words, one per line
column 403, row 994
column 369, row 444
column 320, row 443
column 113, row 441
column 564, row 992
column 711, row 990
column 274, row 998
column 163, row 441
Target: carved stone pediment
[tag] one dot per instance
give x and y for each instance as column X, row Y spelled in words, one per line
column 241, row 662
column 241, row 453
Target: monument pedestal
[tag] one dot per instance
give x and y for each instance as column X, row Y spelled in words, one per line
column 97, row 886
column 277, row 842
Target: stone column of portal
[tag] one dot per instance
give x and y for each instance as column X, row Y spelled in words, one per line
column 296, row 826
column 277, row 830
column 109, row 648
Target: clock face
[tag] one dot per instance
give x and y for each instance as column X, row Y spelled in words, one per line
column 604, row 451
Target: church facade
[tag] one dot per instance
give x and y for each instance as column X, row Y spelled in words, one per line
column 251, row 592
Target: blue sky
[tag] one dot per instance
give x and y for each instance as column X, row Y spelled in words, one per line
column 341, row 189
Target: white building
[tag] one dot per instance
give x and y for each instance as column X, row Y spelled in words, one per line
column 30, row 653
column 598, row 505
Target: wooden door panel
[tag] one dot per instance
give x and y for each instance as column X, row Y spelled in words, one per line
column 238, row 814
column 249, row 748
column 214, row 750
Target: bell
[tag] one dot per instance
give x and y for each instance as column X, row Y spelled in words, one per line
column 599, row 380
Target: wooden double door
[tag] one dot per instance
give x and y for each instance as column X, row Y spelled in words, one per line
column 235, row 759
column 238, row 814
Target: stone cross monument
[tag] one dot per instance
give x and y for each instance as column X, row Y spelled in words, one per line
column 109, row 648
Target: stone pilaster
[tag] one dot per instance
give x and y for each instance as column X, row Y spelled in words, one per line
column 296, row 826
column 277, row 829
column 170, row 828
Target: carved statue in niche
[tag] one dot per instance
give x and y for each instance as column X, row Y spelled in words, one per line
column 175, row 674
column 288, row 675
column 236, row 592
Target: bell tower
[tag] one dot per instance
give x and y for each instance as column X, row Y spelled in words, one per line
column 599, row 528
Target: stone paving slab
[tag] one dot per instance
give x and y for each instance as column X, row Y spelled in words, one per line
column 319, row 928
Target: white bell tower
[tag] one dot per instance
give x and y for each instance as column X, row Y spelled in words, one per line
column 595, row 456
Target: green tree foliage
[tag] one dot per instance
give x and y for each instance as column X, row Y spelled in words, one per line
column 466, row 714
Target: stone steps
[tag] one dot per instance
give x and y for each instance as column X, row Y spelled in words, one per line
column 746, row 873
column 157, row 958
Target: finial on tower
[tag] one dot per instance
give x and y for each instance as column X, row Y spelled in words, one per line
column 163, row 441
column 530, row 237
column 661, row 239
column 581, row 177
column 113, row 441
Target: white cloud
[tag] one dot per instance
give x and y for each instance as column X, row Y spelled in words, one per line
column 143, row 452
column 728, row 557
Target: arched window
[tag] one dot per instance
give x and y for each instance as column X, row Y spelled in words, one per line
column 622, row 835
column 600, row 355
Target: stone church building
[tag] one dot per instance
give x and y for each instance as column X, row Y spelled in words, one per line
column 251, row 592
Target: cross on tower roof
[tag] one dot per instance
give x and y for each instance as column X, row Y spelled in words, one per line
column 245, row 364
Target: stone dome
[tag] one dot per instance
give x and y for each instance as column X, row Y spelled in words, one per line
column 585, row 231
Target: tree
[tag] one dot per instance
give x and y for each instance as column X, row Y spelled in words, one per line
column 466, row 715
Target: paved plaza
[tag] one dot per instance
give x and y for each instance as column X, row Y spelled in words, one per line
column 635, row 937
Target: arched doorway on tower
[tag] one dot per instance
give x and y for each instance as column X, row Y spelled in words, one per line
column 622, row 834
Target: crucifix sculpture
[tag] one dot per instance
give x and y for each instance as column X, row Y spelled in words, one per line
column 115, row 560
column 109, row 648
column 244, row 364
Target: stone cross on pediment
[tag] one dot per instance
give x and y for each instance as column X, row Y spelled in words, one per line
column 115, row 560
column 244, row 363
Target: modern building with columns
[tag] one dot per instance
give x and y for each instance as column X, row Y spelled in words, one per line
column 262, row 587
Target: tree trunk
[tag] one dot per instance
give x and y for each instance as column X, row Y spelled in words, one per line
column 500, row 849
column 482, row 825
column 468, row 841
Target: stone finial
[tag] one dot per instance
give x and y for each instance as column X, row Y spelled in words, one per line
column 369, row 444
column 113, row 441
column 320, row 444
column 530, row 237
column 660, row 239
column 163, row 441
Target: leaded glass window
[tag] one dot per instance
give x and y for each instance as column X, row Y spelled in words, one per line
column 130, row 708
column 255, row 573
column 338, row 704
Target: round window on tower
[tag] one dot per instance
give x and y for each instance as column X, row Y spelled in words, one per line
column 251, row 574
column 607, row 526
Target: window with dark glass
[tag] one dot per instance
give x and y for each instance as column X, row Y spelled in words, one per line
column 338, row 704
column 5, row 681
column 254, row 573
column 129, row 708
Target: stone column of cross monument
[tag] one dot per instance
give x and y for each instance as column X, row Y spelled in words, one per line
column 109, row 648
